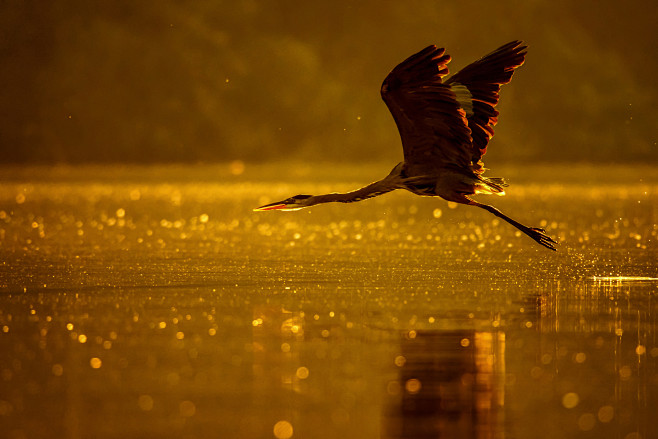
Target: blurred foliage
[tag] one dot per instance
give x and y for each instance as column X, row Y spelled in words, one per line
column 179, row 81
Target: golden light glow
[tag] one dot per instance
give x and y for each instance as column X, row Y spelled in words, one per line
column 282, row 430
column 570, row 400
column 586, row 421
column 95, row 363
column 412, row 386
column 187, row 409
column 57, row 370
column 145, row 402
column 237, row 167
column 606, row 413
column 302, row 373
column 393, row 387
column 625, row 372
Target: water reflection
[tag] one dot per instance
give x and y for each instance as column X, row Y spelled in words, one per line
column 582, row 361
column 450, row 384
column 570, row 361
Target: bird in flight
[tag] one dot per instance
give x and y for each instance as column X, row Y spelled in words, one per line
column 445, row 127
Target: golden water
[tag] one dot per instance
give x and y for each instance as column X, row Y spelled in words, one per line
column 153, row 302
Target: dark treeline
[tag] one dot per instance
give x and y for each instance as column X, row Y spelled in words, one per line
column 175, row 81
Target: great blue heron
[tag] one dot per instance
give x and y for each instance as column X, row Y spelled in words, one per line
column 445, row 128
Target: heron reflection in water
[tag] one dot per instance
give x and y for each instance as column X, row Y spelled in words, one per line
column 450, row 384
column 445, row 129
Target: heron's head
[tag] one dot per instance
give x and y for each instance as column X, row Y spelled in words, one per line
column 293, row 203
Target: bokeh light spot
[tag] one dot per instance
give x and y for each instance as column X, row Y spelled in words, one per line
column 413, row 386
column 625, row 373
column 302, row 373
column 282, row 430
column 570, row 400
column 586, row 421
column 145, row 402
column 606, row 413
column 237, row 167
column 187, row 409
column 393, row 387
column 57, row 370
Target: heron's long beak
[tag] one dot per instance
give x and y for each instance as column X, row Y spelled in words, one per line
column 273, row 206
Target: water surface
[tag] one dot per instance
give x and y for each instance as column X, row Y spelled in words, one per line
column 153, row 302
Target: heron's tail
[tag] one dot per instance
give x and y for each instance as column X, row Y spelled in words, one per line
column 491, row 185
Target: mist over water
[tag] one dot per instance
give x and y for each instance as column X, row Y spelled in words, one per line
column 153, row 301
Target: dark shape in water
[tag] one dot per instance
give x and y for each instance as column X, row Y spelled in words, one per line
column 451, row 385
column 445, row 128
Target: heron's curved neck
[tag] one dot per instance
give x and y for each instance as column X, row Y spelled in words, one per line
column 369, row 191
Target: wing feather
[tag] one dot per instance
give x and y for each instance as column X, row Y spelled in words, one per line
column 432, row 124
column 483, row 79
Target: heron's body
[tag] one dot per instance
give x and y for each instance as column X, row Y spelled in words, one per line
column 445, row 128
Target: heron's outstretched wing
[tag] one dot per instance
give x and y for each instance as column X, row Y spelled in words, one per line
column 432, row 124
column 477, row 86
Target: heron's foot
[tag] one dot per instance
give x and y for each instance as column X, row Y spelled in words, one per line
column 540, row 236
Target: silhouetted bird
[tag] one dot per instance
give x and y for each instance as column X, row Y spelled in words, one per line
column 445, row 128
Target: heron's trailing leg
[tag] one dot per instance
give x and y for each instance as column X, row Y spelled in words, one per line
column 539, row 235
